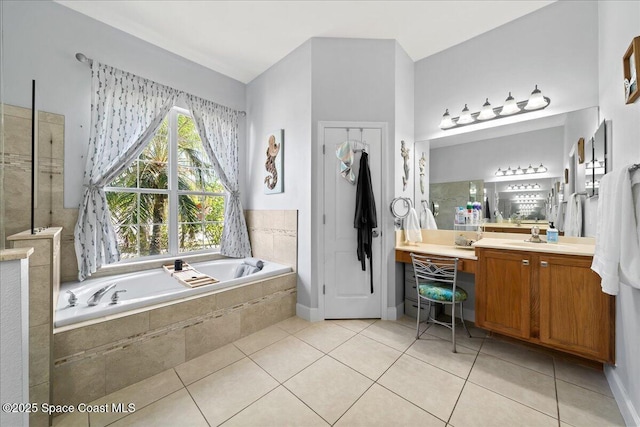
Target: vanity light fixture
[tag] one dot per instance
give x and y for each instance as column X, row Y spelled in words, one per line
column 520, row 171
column 537, row 101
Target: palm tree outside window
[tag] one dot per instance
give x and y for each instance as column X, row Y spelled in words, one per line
column 169, row 201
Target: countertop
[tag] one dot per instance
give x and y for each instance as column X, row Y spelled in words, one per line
column 562, row 248
column 439, row 249
column 42, row 233
column 14, row 254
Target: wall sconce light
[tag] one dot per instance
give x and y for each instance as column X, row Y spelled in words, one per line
column 530, row 170
column 537, row 101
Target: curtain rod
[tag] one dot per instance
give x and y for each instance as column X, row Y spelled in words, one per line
column 81, row 57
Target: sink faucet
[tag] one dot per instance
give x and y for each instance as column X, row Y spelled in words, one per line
column 95, row 298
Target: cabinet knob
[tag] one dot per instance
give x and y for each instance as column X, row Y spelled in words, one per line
column 544, row 264
column 525, row 262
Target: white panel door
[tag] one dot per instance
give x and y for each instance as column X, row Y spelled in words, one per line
column 347, row 288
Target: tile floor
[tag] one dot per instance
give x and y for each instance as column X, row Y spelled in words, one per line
column 365, row 373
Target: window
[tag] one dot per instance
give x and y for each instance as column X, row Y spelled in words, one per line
column 169, row 201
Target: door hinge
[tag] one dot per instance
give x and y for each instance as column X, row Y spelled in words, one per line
column 323, row 289
column 323, row 149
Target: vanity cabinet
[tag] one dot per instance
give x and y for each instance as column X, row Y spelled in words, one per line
column 549, row 299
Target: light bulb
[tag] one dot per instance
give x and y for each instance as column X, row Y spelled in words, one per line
column 519, row 171
column 536, row 100
column 530, row 169
column 509, row 171
column 465, row 116
column 486, row 112
column 447, row 122
column 499, row 172
column 541, row 169
column 510, row 106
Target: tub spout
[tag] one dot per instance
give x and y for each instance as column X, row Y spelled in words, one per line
column 95, row 298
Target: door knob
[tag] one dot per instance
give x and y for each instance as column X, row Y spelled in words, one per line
column 376, row 233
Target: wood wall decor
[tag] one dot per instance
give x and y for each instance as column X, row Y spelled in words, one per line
column 631, row 68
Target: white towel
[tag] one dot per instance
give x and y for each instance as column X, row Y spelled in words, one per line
column 412, row 233
column 559, row 216
column 254, row 262
column 427, row 220
column 617, row 254
column 573, row 216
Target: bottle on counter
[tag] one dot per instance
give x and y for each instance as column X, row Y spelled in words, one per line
column 552, row 234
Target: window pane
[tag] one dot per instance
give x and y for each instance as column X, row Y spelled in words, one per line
column 189, row 208
column 213, row 208
column 190, row 236
column 190, row 149
column 127, row 240
column 212, row 235
column 128, row 178
column 153, row 170
column 154, row 239
column 154, row 209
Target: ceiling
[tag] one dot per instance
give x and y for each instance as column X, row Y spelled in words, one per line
column 242, row 39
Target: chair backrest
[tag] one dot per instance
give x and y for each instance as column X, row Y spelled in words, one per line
column 428, row 268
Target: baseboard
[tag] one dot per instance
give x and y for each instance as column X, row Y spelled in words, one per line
column 394, row 313
column 308, row 313
column 625, row 404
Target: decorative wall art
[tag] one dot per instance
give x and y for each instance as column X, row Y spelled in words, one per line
column 581, row 151
column 404, row 152
column 631, row 68
column 274, row 180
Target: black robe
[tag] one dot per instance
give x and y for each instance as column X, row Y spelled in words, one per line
column 365, row 218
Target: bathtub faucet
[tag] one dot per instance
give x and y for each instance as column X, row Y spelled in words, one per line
column 95, row 298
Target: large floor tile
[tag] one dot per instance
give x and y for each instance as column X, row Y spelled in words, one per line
column 259, row 340
column 208, row 363
column 293, row 324
column 356, row 325
column 325, row 336
column 367, row 356
column 437, row 352
column 582, row 407
column 177, row 409
column 286, row 358
column 431, row 388
column 391, row 333
column 528, row 387
column 590, row 378
column 71, row 419
column 410, row 322
column 475, row 342
column 226, row 392
column 380, row 407
column 278, row 408
column 518, row 354
column 328, row 387
column 481, row 407
column 140, row 394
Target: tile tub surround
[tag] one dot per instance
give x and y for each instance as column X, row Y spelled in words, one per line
column 96, row 359
column 274, row 235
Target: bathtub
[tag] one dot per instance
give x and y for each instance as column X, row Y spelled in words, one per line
column 148, row 288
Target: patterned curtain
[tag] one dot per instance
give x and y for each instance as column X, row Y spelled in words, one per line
column 218, row 128
column 126, row 111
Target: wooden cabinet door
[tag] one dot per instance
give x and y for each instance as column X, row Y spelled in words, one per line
column 575, row 315
column 503, row 292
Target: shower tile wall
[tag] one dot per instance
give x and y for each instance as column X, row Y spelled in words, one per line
column 449, row 195
column 49, row 209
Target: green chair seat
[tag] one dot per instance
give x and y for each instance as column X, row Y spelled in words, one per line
column 441, row 291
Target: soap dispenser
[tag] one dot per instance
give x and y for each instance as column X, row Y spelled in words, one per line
column 552, row 234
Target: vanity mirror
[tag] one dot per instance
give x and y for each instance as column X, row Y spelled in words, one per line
column 476, row 156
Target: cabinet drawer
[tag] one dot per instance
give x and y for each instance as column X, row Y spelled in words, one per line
column 411, row 309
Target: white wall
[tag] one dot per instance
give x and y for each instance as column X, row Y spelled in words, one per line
column 481, row 159
column 14, row 333
column 404, row 131
column 554, row 47
column 618, row 24
column 40, row 41
column 354, row 80
column 280, row 98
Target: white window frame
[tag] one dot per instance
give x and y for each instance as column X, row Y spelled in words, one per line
column 173, row 195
